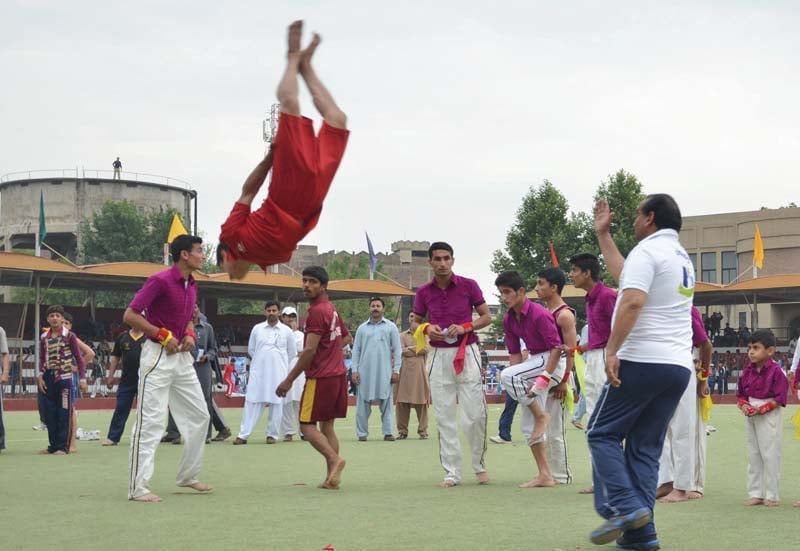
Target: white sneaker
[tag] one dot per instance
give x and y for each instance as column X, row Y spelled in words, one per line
column 498, row 440
column 40, row 426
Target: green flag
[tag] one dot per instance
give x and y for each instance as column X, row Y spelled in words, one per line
column 42, row 225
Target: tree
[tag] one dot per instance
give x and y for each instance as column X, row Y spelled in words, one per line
column 543, row 217
column 623, row 191
column 119, row 232
column 356, row 311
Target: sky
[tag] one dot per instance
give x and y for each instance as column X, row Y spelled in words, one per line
column 456, row 108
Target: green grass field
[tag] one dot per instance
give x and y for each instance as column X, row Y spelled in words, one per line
column 266, row 497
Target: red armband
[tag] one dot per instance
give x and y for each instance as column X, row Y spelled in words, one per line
column 766, row 408
column 163, row 336
column 467, row 326
column 190, row 333
column 742, row 402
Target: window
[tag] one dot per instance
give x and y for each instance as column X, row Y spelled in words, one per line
column 693, row 258
column 729, row 266
column 708, row 266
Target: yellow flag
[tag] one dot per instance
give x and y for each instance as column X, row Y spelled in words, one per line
column 177, row 228
column 419, row 337
column 758, row 250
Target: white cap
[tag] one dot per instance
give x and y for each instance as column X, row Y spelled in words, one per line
column 289, row 311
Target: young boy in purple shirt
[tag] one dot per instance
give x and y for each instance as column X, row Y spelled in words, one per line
column 529, row 382
column 59, row 354
column 761, row 389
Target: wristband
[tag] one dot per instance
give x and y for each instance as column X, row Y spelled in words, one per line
column 742, row 402
column 190, row 333
column 467, row 326
column 766, row 408
column 571, row 351
column 163, row 336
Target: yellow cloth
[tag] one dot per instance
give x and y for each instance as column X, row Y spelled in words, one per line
column 758, row 250
column 177, row 228
column 580, row 368
column 705, row 407
column 569, row 400
column 419, row 337
column 796, row 421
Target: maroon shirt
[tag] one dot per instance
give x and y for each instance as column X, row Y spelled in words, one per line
column 454, row 304
column 699, row 335
column 169, row 300
column 536, row 326
column 768, row 383
column 324, row 320
column 600, row 302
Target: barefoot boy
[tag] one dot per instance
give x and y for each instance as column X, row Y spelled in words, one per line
column 529, row 382
column 761, row 389
column 303, row 166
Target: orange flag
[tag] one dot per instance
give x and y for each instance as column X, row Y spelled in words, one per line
column 553, row 257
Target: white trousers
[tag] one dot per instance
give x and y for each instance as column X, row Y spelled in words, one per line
column 166, row 382
column 593, row 380
column 252, row 415
column 290, row 421
column 701, row 438
column 763, row 434
column 557, row 438
column 679, row 454
column 451, row 392
column 516, row 381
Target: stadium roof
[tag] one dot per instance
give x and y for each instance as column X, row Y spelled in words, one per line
column 20, row 270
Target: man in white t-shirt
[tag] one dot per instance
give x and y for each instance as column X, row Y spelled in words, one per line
column 648, row 365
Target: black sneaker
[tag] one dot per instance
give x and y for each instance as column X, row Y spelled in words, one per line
column 651, row 545
column 389, row 438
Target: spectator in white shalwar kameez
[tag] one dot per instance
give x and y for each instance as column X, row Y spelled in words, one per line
column 291, row 402
column 377, row 356
column 271, row 348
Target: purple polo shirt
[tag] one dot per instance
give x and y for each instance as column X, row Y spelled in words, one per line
column 768, row 383
column 699, row 335
column 169, row 300
column 536, row 326
column 600, row 302
column 454, row 304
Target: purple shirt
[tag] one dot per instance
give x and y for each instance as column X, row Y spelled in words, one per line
column 768, row 383
column 699, row 335
column 600, row 302
column 454, row 304
column 536, row 326
column 61, row 352
column 169, row 300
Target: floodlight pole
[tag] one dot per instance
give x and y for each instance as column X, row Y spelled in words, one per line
column 269, row 129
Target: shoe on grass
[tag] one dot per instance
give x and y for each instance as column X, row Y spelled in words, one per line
column 239, row 441
column 614, row 527
column 222, row 435
column 499, row 440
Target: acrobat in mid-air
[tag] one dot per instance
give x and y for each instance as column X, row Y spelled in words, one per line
column 303, row 166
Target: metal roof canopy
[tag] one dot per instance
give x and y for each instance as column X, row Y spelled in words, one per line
column 20, row 270
column 762, row 290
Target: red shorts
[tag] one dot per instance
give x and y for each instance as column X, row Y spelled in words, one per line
column 324, row 399
column 303, row 168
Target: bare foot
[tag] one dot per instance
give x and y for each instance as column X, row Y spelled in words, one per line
column 43, row 452
column 73, row 450
column 295, row 34
column 586, row 491
column 754, row 501
column 148, row 498
column 663, row 490
column 59, row 452
column 675, row 496
column 770, row 503
column 539, row 482
column 796, row 504
column 539, row 427
column 199, row 487
column 483, row 478
column 447, row 483
column 335, row 475
column 308, row 53
column 325, row 485
column 694, row 495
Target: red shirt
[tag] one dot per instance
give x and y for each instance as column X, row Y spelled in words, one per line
column 324, row 320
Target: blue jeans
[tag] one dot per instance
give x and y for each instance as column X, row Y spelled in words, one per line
column 506, row 418
column 125, row 396
column 637, row 413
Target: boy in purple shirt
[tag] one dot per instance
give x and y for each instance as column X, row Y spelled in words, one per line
column 59, row 355
column 761, row 389
column 529, row 382
column 166, row 371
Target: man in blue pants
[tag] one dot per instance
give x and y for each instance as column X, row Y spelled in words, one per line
column 127, row 349
column 648, row 365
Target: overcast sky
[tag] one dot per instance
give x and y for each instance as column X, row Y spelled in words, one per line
column 456, row 108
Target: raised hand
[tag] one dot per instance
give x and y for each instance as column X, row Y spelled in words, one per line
column 603, row 216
